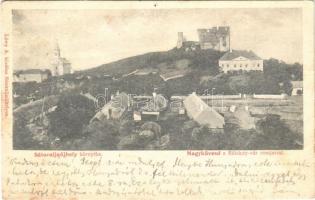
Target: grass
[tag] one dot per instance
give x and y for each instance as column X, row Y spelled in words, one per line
column 30, row 110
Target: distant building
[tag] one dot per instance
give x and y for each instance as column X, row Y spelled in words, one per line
column 180, row 40
column 137, row 116
column 297, row 88
column 191, row 46
column 199, row 111
column 239, row 60
column 114, row 109
column 151, row 108
column 61, row 65
column 154, row 106
column 145, row 71
column 186, row 45
column 171, row 75
column 31, row 75
column 244, row 118
column 217, row 38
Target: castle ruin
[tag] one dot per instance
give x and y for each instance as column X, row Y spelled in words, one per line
column 217, row 38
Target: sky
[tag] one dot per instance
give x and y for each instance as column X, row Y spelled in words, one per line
column 89, row 38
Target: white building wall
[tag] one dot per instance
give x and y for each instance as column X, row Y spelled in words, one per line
column 242, row 64
column 239, row 96
column 67, row 68
column 269, row 96
column 60, row 69
column 32, row 77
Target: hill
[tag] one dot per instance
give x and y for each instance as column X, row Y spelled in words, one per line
column 195, row 71
column 201, row 59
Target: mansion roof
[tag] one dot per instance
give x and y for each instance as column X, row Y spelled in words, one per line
column 240, row 53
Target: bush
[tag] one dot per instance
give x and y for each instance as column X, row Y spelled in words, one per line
column 22, row 138
column 73, row 111
column 101, row 136
column 273, row 134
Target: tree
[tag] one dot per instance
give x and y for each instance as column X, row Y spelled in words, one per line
column 126, row 128
column 287, row 87
column 261, row 83
column 100, row 136
column 154, row 127
column 240, row 83
column 273, row 134
column 130, row 142
column 73, row 111
column 22, row 138
column 283, row 71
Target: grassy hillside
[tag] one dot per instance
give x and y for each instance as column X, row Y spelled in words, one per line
column 205, row 59
column 196, row 71
column 200, row 72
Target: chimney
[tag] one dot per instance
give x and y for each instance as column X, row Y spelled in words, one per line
column 231, row 50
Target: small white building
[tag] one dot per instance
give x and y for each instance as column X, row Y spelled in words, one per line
column 31, row 75
column 200, row 112
column 297, row 88
column 114, row 109
column 239, row 60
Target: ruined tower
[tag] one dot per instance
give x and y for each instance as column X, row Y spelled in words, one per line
column 217, row 38
column 180, row 40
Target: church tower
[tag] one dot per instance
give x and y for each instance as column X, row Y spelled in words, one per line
column 56, row 60
column 60, row 65
column 57, row 50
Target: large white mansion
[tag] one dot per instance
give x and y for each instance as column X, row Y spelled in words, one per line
column 239, row 60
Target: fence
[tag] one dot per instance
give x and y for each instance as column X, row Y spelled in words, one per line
column 269, row 96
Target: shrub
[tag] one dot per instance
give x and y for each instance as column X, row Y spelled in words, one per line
column 73, row 111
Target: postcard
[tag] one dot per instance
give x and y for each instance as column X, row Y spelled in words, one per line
column 157, row 100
